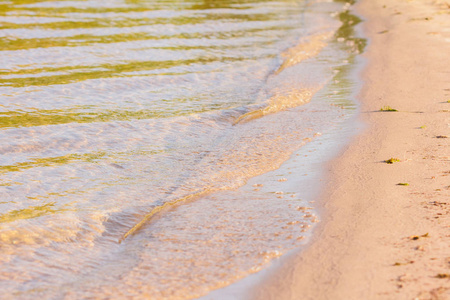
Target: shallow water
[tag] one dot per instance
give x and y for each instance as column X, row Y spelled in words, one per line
column 127, row 128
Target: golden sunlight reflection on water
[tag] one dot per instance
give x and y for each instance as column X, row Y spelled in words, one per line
column 128, row 127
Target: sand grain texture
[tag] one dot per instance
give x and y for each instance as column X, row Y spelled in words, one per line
column 378, row 239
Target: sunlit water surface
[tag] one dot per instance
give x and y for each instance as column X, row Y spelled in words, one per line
column 127, row 127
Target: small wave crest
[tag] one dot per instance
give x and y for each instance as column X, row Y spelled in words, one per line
column 279, row 102
column 308, row 47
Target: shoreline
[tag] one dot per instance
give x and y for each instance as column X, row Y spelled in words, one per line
column 378, row 239
column 309, row 187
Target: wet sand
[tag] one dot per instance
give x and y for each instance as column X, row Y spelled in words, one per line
column 378, row 239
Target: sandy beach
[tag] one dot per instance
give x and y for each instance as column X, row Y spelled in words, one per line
column 385, row 226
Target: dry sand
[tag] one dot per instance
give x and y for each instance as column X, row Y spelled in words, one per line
column 377, row 239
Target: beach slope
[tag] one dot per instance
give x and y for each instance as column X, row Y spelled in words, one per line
column 385, row 230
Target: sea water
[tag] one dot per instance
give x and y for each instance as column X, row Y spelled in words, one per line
column 134, row 134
